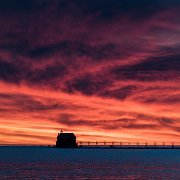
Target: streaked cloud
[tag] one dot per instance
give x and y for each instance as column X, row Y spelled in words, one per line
column 92, row 67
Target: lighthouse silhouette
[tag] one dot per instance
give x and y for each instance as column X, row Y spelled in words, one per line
column 66, row 140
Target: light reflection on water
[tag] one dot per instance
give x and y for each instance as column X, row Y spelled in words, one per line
column 51, row 163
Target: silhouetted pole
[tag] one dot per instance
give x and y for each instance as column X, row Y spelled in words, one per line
column 155, row 144
column 138, row 144
column 163, row 144
column 146, row 143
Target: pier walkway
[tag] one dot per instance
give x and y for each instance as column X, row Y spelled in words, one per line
column 127, row 145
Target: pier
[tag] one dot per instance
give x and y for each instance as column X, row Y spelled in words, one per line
column 126, row 145
column 68, row 140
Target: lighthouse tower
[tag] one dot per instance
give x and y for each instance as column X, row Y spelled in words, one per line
column 66, row 140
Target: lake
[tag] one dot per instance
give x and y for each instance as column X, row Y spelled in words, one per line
column 17, row 162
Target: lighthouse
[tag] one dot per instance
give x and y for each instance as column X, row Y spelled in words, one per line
column 66, row 140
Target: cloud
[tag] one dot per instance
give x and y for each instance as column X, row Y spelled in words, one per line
column 154, row 69
column 9, row 72
column 91, row 67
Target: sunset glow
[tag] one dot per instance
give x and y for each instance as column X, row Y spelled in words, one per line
column 96, row 69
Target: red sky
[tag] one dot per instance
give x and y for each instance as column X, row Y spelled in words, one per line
column 104, row 69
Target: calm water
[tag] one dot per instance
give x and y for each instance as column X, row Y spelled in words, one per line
column 51, row 163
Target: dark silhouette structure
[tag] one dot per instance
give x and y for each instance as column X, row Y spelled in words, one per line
column 66, row 140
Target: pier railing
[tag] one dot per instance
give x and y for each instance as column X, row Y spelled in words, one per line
column 123, row 144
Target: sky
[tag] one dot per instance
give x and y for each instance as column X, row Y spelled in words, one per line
column 107, row 70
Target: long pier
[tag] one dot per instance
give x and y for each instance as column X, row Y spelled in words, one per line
column 127, row 145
